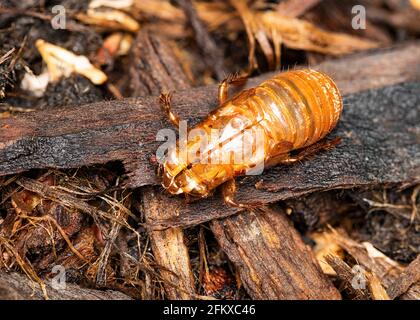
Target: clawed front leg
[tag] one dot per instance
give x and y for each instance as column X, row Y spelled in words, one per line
column 234, row 80
column 165, row 100
column 229, row 191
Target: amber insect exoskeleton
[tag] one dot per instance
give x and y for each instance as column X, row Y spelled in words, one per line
column 291, row 111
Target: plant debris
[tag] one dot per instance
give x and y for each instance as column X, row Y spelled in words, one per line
column 61, row 62
column 79, row 113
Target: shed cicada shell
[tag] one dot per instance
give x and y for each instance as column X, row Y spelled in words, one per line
column 255, row 129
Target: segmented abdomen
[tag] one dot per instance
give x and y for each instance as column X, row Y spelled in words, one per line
column 300, row 107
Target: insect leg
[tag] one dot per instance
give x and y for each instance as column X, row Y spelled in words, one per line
column 165, row 100
column 190, row 198
column 311, row 150
column 228, row 192
column 279, row 154
column 234, row 80
column 159, row 170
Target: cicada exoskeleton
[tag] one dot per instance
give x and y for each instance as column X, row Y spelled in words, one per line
column 293, row 110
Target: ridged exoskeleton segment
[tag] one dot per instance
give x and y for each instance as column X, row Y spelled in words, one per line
column 290, row 111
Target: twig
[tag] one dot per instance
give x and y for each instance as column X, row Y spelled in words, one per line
column 212, row 54
column 406, row 279
column 295, row 8
column 70, row 25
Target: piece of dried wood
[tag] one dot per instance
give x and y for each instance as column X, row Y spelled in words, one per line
column 169, row 249
column 212, row 54
column 15, row 286
column 295, row 8
column 272, row 260
column 155, row 69
column 406, row 279
column 378, row 130
column 345, row 274
column 125, row 130
column 386, row 269
column 270, row 29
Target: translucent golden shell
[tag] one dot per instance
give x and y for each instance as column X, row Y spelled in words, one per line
column 292, row 110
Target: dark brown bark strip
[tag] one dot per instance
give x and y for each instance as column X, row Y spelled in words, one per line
column 155, row 69
column 125, row 130
column 272, row 260
column 406, row 279
column 383, row 267
column 169, row 249
column 15, row 286
column 345, row 274
column 212, row 54
column 378, row 130
column 379, row 146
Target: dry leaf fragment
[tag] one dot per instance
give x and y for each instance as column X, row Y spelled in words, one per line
column 61, row 62
column 270, row 29
column 162, row 10
column 116, row 4
column 415, row 4
column 326, row 247
column 109, row 18
column 376, row 288
column 115, row 45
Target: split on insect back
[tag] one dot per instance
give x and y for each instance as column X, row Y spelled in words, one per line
column 255, row 129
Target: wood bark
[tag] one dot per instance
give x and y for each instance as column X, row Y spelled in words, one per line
column 272, row 260
column 125, row 130
column 15, row 286
column 168, row 245
column 409, row 277
column 169, row 250
column 394, row 277
column 378, row 128
column 155, row 69
column 379, row 147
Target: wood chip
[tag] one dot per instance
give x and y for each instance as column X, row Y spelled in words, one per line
column 406, row 279
column 273, row 261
